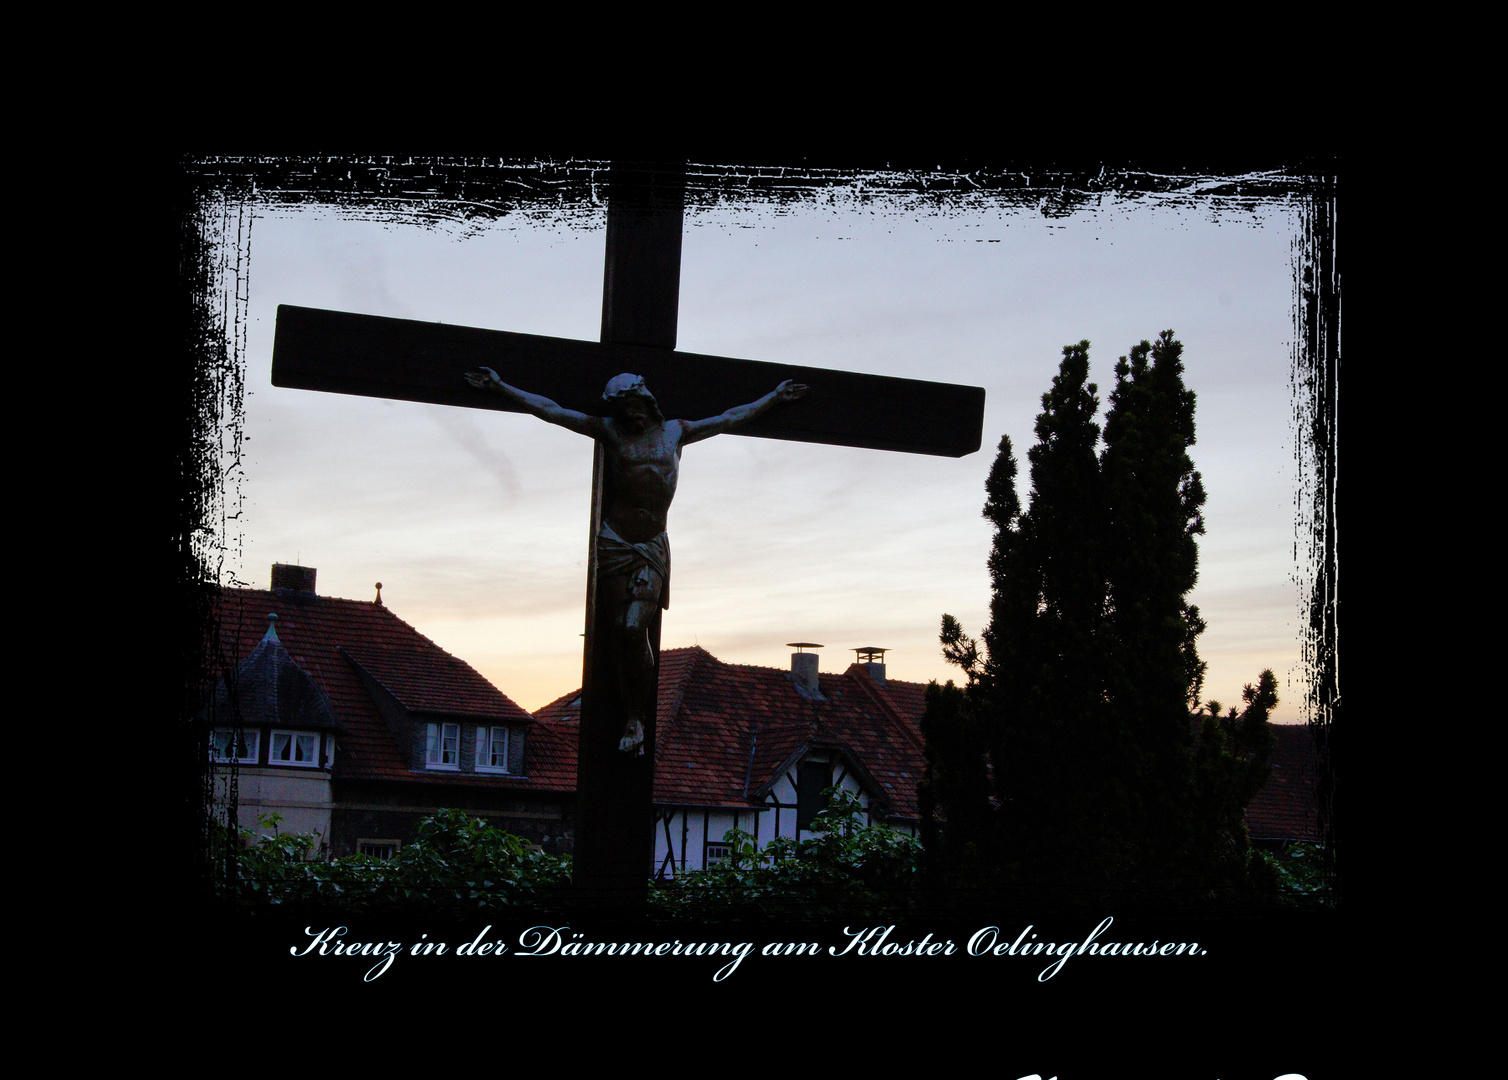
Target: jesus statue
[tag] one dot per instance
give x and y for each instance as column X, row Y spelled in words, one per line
column 643, row 459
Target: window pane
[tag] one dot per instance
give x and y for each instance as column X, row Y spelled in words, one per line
column 812, row 778
column 444, row 745
column 231, row 745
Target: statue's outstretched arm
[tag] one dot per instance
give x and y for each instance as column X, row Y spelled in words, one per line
column 542, row 407
column 696, row 430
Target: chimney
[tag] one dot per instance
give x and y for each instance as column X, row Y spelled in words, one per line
column 804, row 668
column 871, row 658
column 298, row 579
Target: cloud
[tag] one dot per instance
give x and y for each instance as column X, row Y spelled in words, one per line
column 469, row 436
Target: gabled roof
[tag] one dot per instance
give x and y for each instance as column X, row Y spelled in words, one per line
column 726, row 732
column 333, row 640
column 1286, row 807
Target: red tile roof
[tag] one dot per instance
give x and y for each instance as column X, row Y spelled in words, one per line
column 1286, row 807
column 328, row 637
column 726, row 729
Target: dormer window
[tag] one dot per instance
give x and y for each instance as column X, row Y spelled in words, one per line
column 294, row 748
column 230, row 744
column 492, row 749
column 443, row 747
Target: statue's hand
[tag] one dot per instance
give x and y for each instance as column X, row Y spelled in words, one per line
column 485, row 379
column 789, row 390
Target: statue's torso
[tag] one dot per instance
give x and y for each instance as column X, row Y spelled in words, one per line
column 644, row 468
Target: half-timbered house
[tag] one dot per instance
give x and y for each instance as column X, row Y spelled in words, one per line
column 754, row 748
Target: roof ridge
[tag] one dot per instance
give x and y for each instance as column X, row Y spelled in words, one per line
column 786, row 671
column 871, row 686
column 663, row 725
column 362, row 669
column 563, row 702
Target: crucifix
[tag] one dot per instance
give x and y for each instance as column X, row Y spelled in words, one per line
column 638, row 447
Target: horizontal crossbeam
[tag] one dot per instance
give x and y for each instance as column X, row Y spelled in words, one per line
column 402, row 359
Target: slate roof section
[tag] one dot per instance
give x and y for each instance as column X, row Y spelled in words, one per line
column 328, row 637
column 271, row 689
column 1286, row 808
column 726, row 730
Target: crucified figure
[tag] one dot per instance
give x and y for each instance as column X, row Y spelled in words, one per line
column 643, row 455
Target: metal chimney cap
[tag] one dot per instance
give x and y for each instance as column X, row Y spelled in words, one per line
column 871, row 654
column 799, row 645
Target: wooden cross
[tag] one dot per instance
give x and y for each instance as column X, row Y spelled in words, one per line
column 418, row 361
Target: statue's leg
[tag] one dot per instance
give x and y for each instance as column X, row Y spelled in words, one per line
column 636, row 658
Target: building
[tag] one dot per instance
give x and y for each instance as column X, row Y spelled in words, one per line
column 754, row 748
column 349, row 723
column 1286, row 808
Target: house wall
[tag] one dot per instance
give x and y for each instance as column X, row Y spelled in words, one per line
column 683, row 833
column 782, row 801
column 375, row 810
column 302, row 796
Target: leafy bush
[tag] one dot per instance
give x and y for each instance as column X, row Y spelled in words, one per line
column 1303, row 879
column 849, row 870
column 457, row 865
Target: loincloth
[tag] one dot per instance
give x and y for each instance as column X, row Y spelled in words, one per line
column 617, row 558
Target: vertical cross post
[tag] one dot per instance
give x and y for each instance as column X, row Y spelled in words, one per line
column 614, row 846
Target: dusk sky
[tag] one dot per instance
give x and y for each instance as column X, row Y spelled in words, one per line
column 476, row 522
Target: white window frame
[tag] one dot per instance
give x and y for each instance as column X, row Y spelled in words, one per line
column 251, row 742
column 487, row 739
column 395, row 844
column 434, row 747
column 293, row 745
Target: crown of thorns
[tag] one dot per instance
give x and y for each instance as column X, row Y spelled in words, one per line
column 622, row 386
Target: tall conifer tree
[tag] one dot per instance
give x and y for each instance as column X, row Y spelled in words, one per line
column 1042, row 641
column 1154, row 504
column 1082, row 693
